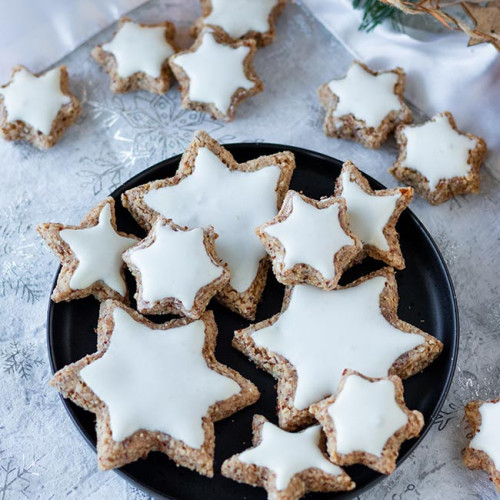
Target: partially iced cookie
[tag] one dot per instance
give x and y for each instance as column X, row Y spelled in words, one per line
column 216, row 74
column 483, row 451
column 177, row 271
column 310, row 241
column 286, row 464
column 242, row 18
column 373, row 214
column 367, row 420
column 90, row 255
column 37, row 108
column 137, row 56
column 365, row 105
column 211, row 189
column 439, row 160
column 318, row 334
column 155, row 387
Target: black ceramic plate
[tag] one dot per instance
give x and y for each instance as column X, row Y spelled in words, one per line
column 427, row 301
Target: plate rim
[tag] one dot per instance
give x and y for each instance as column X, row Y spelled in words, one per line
column 374, row 183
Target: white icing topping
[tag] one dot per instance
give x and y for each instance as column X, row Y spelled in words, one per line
column 311, row 236
column 34, row 100
column 366, row 415
column 139, row 49
column 238, row 17
column 157, row 380
column 487, row 438
column 322, row 333
column 99, row 252
column 368, row 214
column 233, row 202
column 367, row 97
column 176, row 265
column 288, row 453
column 437, row 151
column 215, row 71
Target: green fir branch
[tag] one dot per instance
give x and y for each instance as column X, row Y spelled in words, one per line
column 375, row 12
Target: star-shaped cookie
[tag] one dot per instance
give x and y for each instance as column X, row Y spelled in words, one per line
column 216, row 74
column 310, row 241
column 211, row 189
column 286, row 464
column 367, row 420
column 373, row 214
column 137, row 56
column 155, row 387
column 483, row 452
column 486, row 19
column 438, row 160
column 37, row 108
column 242, row 18
column 365, row 105
column 318, row 334
column 90, row 255
column 177, row 271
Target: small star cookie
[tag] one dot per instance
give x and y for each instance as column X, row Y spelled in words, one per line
column 365, row 105
column 137, row 57
column 253, row 19
column 318, row 334
column 155, row 387
column 37, row 108
column 286, row 464
column 177, row 271
column 438, row 160
column 373, row 214
column 366, row 421
column 483, row 451
column 211, row 189
column 309, row 241
column 216, row 74
column 90, row 255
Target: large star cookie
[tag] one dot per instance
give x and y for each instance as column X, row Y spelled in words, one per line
column 309, row 241
column 286, row 464
column 242, row 18
column 37, row 108
column 216, row 74
column 177, row 271
column 318, row 334
column 367, row 420
column 90, row 254
column 483, row 451
column 438, row 160
column 155, row 388
column 365, row 105
column 373, row 214
column 211, row 189
column 137, row 56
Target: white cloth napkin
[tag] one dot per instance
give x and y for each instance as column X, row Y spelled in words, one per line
column 38, row 33
column 443, row 74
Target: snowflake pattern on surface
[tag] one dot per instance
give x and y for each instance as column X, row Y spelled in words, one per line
column 15, row 479
column 19, row 359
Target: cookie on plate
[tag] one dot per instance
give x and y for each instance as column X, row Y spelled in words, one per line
column 366, row 421
column 37, row 108
column 216, row 74
column 483, row 451
column 253, row 19
column 137, row 56
column 211, row 189
column 365, row 105
column 310, row 241
column 177, row 271
column 318, row 334
column 155, row 387
column 438, row 160
column 373, row 214
column 286, row 464
column 90, row 255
